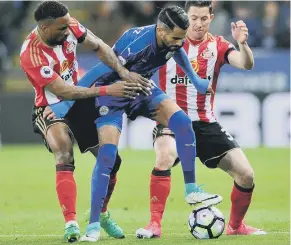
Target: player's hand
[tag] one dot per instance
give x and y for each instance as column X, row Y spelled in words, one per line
column 137, row 80
column 210, row 90
column 239, row 31
column 48, row 113
column 124, row 89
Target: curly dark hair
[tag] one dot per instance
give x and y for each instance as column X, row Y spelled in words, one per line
column 50, row 10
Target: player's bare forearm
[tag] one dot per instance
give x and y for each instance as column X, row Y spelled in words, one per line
column 243, row 59
column 69, row 92
column 105, row 53
column 247, row 57
column 75, row 93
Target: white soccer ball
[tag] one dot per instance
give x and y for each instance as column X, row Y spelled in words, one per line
column 206, row 222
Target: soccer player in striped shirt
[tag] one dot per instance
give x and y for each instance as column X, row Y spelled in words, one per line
column 215, row 147
column 48, row 57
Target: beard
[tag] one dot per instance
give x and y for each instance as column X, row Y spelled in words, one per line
column 174, row 47
column 171, row 47
column 54, row 42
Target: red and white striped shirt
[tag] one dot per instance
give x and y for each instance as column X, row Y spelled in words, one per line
column 206, row 57
column 43, row 64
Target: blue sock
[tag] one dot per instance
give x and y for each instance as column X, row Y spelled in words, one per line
column 100, row 179
column 181, row 125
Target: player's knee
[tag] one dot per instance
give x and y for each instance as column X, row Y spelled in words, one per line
column 63, row 157
column 165, row 160
column 247, row 178
column 107, row 155
column 180, row 123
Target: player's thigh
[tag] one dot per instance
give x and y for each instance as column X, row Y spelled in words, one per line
column 59, row 139
column 109, row 120
column 108, row 134
column 212, row 142
column 56, row 133
column 164, row 110
column 236, row 164
column 165, row 148
column 81, row 118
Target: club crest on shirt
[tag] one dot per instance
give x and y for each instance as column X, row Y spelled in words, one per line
column 207, row 54
column 169, row 55
column 46, row 72
column 103, row 110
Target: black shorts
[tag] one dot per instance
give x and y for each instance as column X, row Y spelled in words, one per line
column 80, row 121
column 212, row 141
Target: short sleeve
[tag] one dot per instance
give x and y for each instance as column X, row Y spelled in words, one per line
column 78, row 30
column 224, row 48
column 37, row 68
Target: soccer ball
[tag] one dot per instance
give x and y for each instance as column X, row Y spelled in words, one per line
column 206, row 222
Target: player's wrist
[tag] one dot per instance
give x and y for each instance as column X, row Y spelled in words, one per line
column 123, row 72
column 243, row 43
column 103, row 90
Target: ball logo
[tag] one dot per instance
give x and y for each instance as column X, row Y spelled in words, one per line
column 195, row 65
column 103, row 110
column 46, row 72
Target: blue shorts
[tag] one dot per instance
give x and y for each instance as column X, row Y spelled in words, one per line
column 111, row 109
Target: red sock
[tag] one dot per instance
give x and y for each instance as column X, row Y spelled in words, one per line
column 110, row 189
column 67, row 194
column 160, row 187
column 241, row 199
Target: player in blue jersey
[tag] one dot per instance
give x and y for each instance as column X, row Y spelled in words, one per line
column 144, row 50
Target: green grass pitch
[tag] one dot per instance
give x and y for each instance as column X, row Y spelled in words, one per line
column 29, row 211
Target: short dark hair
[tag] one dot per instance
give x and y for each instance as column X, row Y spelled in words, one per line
column 199, row 4
column 50, row 10
column 174, row 16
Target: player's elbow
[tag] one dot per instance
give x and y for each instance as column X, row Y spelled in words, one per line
column 249, row 65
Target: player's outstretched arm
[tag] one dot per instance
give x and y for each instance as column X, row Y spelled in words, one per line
column 108, row 57
column 242, row 59
column 68, row 92
column 202, row 85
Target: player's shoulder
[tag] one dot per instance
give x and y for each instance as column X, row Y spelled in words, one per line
column 222, row 40
column 222, row 43
column 138, row 32
column 30, row 49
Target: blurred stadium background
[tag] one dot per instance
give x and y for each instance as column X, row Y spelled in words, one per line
column 257, row 101
column 254, row 106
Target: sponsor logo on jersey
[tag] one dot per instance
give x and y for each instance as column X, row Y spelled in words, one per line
column 181, row 80
column 122, row 60
column 46, row 72
column 67, row 70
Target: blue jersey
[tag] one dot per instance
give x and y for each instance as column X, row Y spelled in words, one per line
column 138, row 51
